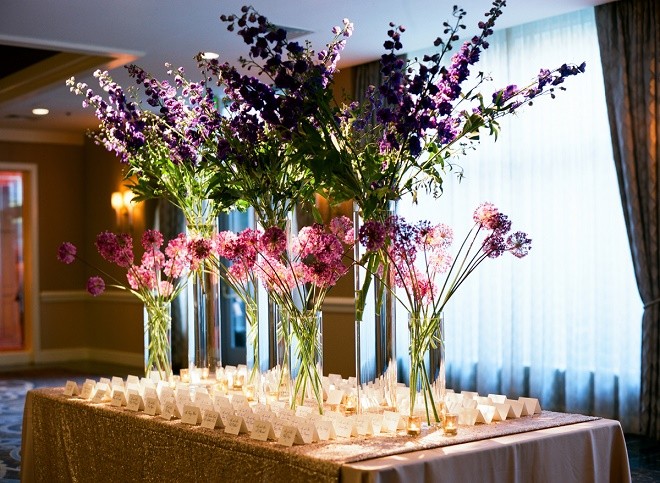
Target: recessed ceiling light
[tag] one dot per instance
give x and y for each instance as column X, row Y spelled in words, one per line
column 210, row 55
column 40, row 111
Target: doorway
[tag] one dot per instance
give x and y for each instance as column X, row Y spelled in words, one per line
column 12, row 255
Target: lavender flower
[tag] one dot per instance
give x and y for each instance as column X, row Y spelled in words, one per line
column 67, row 253
column 95, row 286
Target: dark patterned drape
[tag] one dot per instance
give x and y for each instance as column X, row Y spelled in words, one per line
column 630, row 53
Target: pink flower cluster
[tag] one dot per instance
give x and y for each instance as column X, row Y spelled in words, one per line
column 158, row 271
column 420, row 253
column 315, row 256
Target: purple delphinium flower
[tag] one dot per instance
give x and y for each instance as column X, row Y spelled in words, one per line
column 67, row 253
column 95, row 286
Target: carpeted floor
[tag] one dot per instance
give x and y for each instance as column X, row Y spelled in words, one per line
column 644, row 453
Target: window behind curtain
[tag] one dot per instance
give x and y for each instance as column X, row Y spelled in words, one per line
column 562, row 324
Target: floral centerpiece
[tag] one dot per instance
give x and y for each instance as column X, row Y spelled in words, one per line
column 156, row 281
column 428, row 275
column 299, row 274
column 402, row 138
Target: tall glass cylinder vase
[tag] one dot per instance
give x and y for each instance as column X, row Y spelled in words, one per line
column 425, row 364
column 307, row 343
column 437, row 367
column 158, row 341
column 375, row 305
column 204, row 349
column 273, row 349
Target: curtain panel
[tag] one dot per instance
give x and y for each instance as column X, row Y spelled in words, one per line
column 563, row 323
column 630, row 50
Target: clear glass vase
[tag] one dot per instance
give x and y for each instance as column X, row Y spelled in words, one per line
column 307, row 346
column 426, row 365
column 157, row 340
column 375, row 304
column 204, row 349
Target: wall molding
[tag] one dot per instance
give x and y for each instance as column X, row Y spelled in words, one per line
column 35, row 136
column 62, row 296
column 133, row 359
column 342, row 305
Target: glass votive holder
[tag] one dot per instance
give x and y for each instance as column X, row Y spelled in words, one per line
column 414, row 425
column 451, row 424
column 205, row 373
column 350, row 404
column 248, row 391
column 184, row 375
column 239, row 380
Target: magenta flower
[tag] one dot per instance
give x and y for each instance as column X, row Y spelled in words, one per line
column 95, row 286
column 152, row 240
column 273, row 242
column 67, row 253
column 372, row 235
column 342, row 227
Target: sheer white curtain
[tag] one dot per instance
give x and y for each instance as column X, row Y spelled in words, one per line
column 562, row 324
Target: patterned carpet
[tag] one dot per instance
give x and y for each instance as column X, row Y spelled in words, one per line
column 644, row 454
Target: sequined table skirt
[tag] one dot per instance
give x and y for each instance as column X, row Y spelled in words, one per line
column 69, row 439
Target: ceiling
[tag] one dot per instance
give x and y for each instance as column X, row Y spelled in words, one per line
column 75, row 37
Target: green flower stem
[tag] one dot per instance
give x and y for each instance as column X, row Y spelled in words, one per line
column 422, row 338
column 306, row 329
column 159, row 322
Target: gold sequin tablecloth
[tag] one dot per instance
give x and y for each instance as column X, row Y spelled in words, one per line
column 69, row 439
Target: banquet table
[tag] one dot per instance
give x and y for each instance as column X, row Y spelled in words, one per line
column 71, row 439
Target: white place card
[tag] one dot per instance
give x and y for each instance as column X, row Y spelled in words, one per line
column 290, row 435
column 501, row 411
column 249, row 419
column 191, row 414
column 515, row 408
column 390, row 421
column 212, row 420
column 486, row 413
column 239, row 401
column 220, row 401
column 262, row 430
column 484, row 400
column 183, row 398
column 152, row 405
column 106, row 381
column 304, row 411
column 225, row 413
column 278, row 424
column 470, row 403
column 71, row 388
column 135, row 402
column 308, row 433
column 117, row 381
column 325, row 430
column 345, row 428
column 532, row 406
column 376, row 423
column 149, row 392
column 99, row 395
column 363, row 425
column 133, row 380
column 235, row 425
column 334, row 397
column 88, row 389
column 469, row 394
column 204, row 402
column 118, row 397
column 497, row 398
column 468, row 416
column 170, row 410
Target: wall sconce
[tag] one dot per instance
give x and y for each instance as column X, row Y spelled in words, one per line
column 122, row 203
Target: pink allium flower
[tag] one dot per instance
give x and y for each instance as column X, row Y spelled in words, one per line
column 486, row 215
column 95, row 286
column 372, row 235
column 154, row 259
column 440, row 236
column 494, row 245
column 273, row 242
column 67, row 253
column 152, row 240
column 225, row 243
column 342, row 227
column 440, row 261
